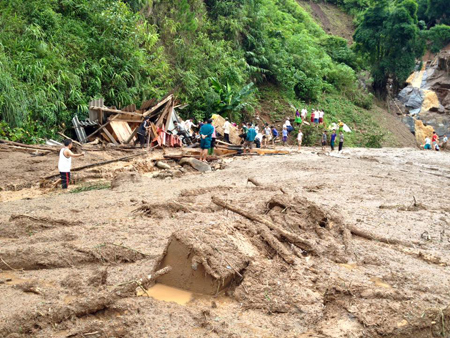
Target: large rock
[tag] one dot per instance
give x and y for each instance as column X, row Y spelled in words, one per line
column 218, row 122
column 422, row 131
column 196, row 164
column 411, row 97
column 410, row 122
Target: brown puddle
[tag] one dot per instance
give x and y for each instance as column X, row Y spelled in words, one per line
column 12, row 279
column 167, row 294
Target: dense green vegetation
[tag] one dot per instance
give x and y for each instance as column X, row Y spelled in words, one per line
column 392, row 34
column 56, row 55
column 211, row 52
column 388, row 36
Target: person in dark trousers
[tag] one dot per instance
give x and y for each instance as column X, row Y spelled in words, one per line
column 206, row 132
column 65, row 162
column 250, row 138
column 142, row 130
column 341, row 141
column 324, row 139
column 226, row 130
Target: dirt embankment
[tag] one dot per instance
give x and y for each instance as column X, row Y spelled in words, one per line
column 333, row 20
column 317, row 246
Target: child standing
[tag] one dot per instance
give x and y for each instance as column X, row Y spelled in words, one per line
column 285, row 135
column 299, row 139
column 341, row 141
column 324, row 139
column 274, row 134
column 267, row 133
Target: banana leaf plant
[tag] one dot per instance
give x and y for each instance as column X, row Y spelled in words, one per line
column 229, row 102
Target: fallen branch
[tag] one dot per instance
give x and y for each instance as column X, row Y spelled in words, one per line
column 29, row 146
column 46, row 220
column 254, row 181
column 128, row 248
column 9, row 266
column 291, row 237
column 373, row 237
column 128, row 288
column 67, row 137
column 264, row 228
column 126, row 158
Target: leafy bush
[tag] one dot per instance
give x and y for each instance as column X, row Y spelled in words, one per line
column 374, row 141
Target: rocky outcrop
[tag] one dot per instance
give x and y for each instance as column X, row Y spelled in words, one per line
column 427, row 98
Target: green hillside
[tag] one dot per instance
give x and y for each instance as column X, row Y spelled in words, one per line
column 55, row 55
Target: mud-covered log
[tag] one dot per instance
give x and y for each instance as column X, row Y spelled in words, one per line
column 263, row 229
column 129, row 288
column 373, row 237
column 291, row 237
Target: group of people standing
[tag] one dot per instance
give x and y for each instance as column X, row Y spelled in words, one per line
column 316, row 116
column 433, row 142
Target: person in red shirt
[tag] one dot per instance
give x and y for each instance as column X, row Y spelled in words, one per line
column 434, row 141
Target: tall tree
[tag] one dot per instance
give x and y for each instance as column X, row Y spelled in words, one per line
column 388, row 37
column 438, row 11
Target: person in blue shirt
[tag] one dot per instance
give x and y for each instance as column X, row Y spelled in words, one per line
column 274, row 134
column 250, row 137
column 206, row 132
column 285, row 135
column 333, row 139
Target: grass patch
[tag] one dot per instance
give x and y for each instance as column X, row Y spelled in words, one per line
column 92, row 186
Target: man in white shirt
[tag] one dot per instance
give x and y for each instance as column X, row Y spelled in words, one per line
column 188, row 124
column 267, row 135
column 303, row 114
column 288, row 125
column 321, row 114
column 226, row 130
column 65, row 162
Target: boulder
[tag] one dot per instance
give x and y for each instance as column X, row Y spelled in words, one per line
column 430, row 101
column 422, row 131
column 411, row 97
column 196, row 164
column 218, row 122
column 162, row 165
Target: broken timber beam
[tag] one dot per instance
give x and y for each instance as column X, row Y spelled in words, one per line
column 115, row 111
column 102, row 127
column 56, row 149
column 125, row 158
column 158, row 105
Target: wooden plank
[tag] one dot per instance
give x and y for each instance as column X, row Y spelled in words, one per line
column 160, row 121
column 126, row 158
column 130, row 108
column 128, row 121
column 116, row 111
column 169, row 115
column 121, row 129
column 159, row 104
column 110, row 136
column 102, row 127
column 133, row 134
column 147, row 104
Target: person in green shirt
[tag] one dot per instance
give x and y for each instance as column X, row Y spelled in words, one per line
column 250, row 138
column 206, row 132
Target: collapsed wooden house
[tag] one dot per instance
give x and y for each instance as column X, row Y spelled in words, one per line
column 120, row 126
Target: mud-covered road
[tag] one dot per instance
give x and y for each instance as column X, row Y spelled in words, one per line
column 64, row 254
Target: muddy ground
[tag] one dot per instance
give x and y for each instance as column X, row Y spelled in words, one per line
column 64, row 255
